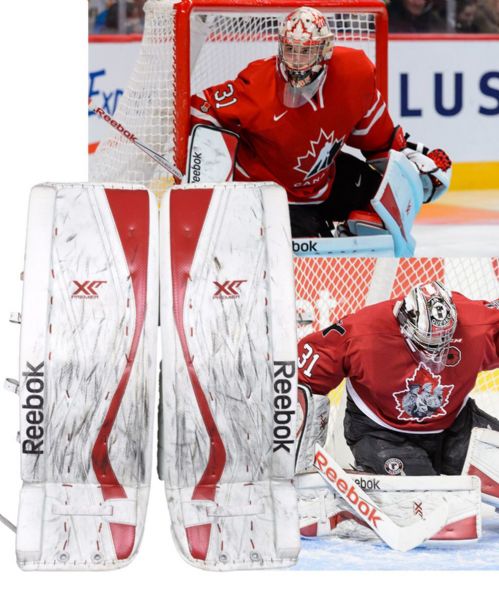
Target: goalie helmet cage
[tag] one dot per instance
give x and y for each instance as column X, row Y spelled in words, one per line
column 192, row 44
column 329, row 289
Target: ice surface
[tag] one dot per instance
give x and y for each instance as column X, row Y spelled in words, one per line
column 329, row 553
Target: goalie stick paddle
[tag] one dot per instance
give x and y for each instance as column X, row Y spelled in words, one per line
column 132, row 138
column 400, row 538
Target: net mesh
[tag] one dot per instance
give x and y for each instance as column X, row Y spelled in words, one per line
column 146, row 108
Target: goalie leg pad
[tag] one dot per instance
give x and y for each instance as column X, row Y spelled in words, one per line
column 227, row 430
column 404, row 499
column 398, row 201
column 87, row 363
column 482, row 460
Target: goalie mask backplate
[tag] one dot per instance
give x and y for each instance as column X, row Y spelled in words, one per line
column 87, row 364
column 227, row 431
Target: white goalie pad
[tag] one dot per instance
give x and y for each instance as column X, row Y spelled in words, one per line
column 228, row 325
column 406, row 499
column 87, row 375
column 482, row 460
column 398, row 201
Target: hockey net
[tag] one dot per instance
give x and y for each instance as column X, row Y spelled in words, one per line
column 329, row 289
column 192, row 44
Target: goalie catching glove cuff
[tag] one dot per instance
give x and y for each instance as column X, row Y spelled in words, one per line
column 434, row 168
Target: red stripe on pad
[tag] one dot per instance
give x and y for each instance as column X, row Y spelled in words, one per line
column 130, row 210
column 198, row 538
column 489, row 485
column 188, row 209
column 309, row 531
column 462, row 530
column 388, row 201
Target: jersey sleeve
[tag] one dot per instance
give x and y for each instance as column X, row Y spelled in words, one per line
column 374, row 132
column 223, row 105
column 323, row 358
column 491, row 357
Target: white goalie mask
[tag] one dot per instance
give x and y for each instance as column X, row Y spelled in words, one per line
column 305, row 47
column 428, row 320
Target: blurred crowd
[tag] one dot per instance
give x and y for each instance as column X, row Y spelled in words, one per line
column 116, row 16
column 443, row 16
column 405, row 16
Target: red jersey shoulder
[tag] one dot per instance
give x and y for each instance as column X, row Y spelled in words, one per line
column 376, row 320
column 351, row 81
column 258, row 71
column 254, row 89
column 475, row 312
column 352, row 68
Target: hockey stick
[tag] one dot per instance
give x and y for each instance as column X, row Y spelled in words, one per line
column 132, row 138
column 400, row 538
column 8, row 523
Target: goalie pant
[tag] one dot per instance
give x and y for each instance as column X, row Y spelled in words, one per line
column 381, row 451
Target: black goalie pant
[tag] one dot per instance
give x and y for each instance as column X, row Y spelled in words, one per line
column 355, row 184
column 382, row 451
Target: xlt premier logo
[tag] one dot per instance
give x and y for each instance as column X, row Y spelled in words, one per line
column 228, row 290
column 87, row 289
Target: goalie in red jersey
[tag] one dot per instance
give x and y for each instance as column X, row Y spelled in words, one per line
column 294, row 113
column 410, row 365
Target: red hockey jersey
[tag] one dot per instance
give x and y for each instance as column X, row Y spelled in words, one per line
column 383, row 378
column 296, row 147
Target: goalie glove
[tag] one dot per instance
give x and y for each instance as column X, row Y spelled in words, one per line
column 435, row 168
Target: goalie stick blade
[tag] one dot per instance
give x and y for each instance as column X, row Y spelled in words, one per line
column 400, row 538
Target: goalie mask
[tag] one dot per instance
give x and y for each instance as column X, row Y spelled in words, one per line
column 428, row 320
column 305, row 47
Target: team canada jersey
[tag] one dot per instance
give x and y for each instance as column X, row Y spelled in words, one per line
column 384, row 379
column 296, row 147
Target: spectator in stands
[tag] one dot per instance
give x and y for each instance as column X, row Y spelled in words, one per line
column 102, row 8
column 487, row 16
column 414, row 16
column 107, row 20
column 466, row 17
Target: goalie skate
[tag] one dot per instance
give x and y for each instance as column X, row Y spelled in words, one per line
column 227, row 428
column 87, row 364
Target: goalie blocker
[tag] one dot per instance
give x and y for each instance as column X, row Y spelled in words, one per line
column 87, row 375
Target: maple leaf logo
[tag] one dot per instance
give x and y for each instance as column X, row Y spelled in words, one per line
column 320, row 156
column 424, row 396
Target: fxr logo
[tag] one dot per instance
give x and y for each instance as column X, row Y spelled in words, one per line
column 229, row 289
column 87, row 289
